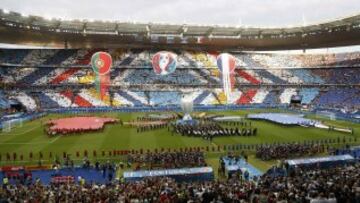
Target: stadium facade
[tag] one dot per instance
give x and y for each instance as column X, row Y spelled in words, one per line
column 62, row 78
column 59, row 78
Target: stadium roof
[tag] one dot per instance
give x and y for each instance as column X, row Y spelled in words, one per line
column 82, row 33
column 255, row 13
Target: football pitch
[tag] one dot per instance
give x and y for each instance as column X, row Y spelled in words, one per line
column 31, row 138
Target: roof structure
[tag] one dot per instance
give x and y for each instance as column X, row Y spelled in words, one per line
column 82, row 33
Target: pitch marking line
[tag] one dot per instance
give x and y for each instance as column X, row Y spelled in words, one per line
column 30, row 143
column 22, row 133
column 52, row 141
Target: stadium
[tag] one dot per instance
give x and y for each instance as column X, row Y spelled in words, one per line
column 118, row 111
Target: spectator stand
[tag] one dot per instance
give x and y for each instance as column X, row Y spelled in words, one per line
column 18, row 175
column 180, row 175
column 91, row 175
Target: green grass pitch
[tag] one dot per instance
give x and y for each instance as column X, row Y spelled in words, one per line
column 30, row 137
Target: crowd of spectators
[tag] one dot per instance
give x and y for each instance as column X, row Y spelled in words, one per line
column 340, row 184
column 339, row 98
column 196, row 70
column 305, row 60
column 148, row 190
column 284, row 151
column 167, row 160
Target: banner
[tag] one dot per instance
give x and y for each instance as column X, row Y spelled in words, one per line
column 101, row 63
column 164, row 62
column 226, row 64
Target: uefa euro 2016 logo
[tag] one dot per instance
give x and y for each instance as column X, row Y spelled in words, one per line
column 164, row 62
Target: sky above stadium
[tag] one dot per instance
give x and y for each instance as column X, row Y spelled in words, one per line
column 264, row 13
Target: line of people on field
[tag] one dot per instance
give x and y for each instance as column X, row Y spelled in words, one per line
column 209, row 130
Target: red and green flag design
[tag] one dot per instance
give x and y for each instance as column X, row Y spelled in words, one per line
column 101, row 63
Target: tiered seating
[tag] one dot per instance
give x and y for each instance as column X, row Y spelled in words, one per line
column 286, row 95
column 13, row 56
column 93, row 97
column 186, row 76
column 76, row 99
column 259, row 78
column 46, row 102
column 247, row 77
column 76, row 56
column 47, row 79
column 147, row 76
column 208, row 60
column 221, row 97
column 276, row 60
column 259, row 69
column 348, row 59
column 60, row 56
column 119, row 100
column 338, row 97
column 207, row 75
column 142, row 59
column 304, row 76
column 185, row 58
column 64, row 75
column 345, row 75
column 316, row 60
column 200, row 98
column 164, row 98
column 210, row 99
column 4, row 103
column 354, row 99
column 24, row 99
column 268, row 75
column 127, row 61
column 40, row 56
column 247, row 96
column 308, row 94
column 260, row 96
column 13, row 74
column 60, row 99
column 120, row 75
column 193, row 94
column 337, row 75
column 85, row 60
column 136, row 98
column 81, row 102
column 233, row 98
column 35, row 75
column 271, row 98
